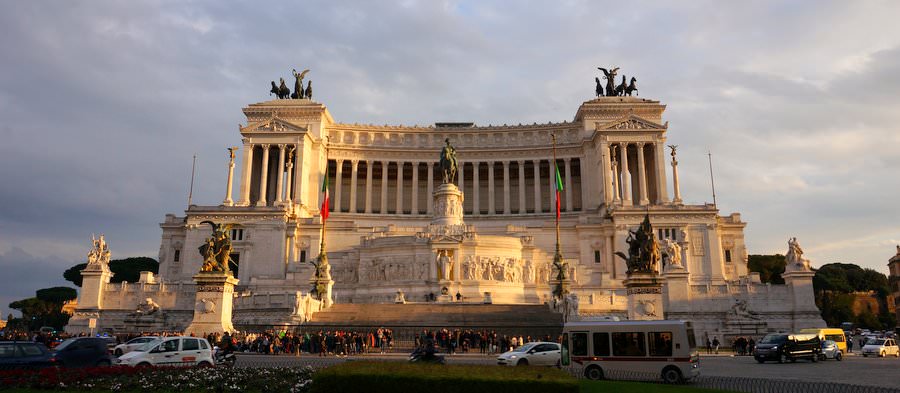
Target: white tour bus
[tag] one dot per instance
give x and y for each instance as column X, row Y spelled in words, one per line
column 664, row 348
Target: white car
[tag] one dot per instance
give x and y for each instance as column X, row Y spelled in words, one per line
column 535, row 354
column 881, row 347
column 122, row 349
column 170, row 351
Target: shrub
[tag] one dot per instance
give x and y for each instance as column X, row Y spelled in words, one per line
column 377, row 377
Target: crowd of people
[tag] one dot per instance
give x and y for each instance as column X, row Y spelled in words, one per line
column 741, row 346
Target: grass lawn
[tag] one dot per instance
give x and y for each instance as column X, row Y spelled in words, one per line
column 639, row 387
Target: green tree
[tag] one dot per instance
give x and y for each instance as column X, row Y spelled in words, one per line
column 57, row 295
column 769, row 267
column 128, row 269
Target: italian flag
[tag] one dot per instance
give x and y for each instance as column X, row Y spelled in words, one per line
column 559, row 187
column 324, row 210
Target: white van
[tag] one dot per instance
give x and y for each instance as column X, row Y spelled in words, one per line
column 170, row 351
column 664, row 348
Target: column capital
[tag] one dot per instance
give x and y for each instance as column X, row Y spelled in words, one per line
column 520, row 162
column 505, row 164
column 536, row 162
column 567, row 160
column 245, row 140
column 641, row 144
column 354, row 162
column 282, row 146
column 430, row 164
column 339, row 161
column 265, row 145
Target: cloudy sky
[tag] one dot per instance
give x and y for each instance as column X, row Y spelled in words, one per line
column 104, row 103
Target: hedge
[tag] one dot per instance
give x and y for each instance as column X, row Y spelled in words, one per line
column 377, row 377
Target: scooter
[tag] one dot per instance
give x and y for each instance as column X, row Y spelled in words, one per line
column 426, row 356
column 224, row 359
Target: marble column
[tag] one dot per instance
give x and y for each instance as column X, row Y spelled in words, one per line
column 354, row 165
column 662, row 189
column 384, row 187
column 537, row 185
column 430, row 187
column 279, row 182
column 289, row 177
column 476, row 202
column 521, row 164
column 642, row 175
column 675, row 187
column 299, row 198
column 338, row 182
column 264, row 176
column 626, row 175
column 614, row 168
column 368, row 207
column 400, row 187
column 568, row 190
column 506, row 200
column 414, row 206
column 491, row 201
column 607, row 176
column 230, row 182
column 247, row 167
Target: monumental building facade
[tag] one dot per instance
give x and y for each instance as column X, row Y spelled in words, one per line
column 384, row 242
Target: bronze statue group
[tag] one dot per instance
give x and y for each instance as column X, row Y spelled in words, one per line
column 283, row 92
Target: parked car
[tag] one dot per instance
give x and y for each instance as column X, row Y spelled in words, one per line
column 831, row 350
column 784, row 347
column 129, row 346
column 82, row 352
column 23, row 355
column 536, row 354
column 881, row 347
column 170, row 351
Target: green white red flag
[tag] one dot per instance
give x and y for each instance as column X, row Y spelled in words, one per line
column 559, row 187
column 325, row 201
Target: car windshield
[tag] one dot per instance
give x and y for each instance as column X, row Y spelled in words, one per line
column 524, row 348
column 875, row 341
column 773, row 339
column 64, row 344
column 148, row 346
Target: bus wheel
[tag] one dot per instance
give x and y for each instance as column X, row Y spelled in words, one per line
column 671, row 375
column 594, row 373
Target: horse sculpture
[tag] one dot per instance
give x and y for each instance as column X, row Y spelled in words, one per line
column 643, row 249
column 283, row 91
column 631, row 87
column 274, row 90
column 598, row 90
column 620, row 89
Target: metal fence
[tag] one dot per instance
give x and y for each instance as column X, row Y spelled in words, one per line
column 742, row 384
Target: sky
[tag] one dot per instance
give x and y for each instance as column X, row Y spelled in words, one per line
column 103, row 104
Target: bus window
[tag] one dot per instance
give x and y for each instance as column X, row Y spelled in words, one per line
column 660, row 343
column 579, row 344
column 564, row 350
column 601, row 344
column 835, row 337
column 629, row 344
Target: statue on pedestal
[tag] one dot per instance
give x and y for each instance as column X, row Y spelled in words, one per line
column 448, row 162
column 643, row 249
column 99, row 254
column 298, row 84
column 794, row 256
column 216, row 251
column 444, row 264
column 673, row 254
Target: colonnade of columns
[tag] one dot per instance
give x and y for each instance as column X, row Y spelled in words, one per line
column 405, row 189
column 268, row 181
column 637, row 182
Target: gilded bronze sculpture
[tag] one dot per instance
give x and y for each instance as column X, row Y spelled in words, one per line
column 643, row 249
column 610, row 80
column 216, row 251
column 298, row 84
column 448, row 162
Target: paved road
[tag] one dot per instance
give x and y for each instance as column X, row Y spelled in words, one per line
column 855, row 370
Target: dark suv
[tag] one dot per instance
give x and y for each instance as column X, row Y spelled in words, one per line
column 23, row 354
column 82, row 352
column 784, row 347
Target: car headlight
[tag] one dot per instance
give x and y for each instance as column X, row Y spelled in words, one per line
column 513, row 357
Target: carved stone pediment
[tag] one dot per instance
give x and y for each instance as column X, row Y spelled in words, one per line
column 273, row 124
column 631, row 122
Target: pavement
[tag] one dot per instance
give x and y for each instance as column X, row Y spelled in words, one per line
column 856, row 370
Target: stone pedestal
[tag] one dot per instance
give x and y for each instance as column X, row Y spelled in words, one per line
column 448, row 205
column 645, row 299
column 213, row 304
column 678, row 289
column 806, row 314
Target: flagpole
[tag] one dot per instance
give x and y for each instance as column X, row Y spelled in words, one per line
column 560, row 287
column 553, row 136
